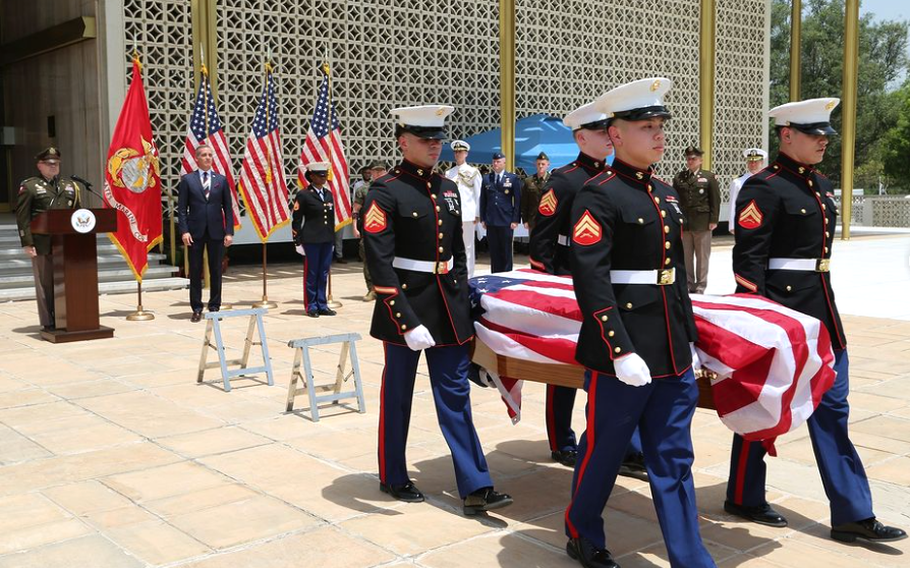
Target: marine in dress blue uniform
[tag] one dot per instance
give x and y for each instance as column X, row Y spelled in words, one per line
column 549, row 252
column 785, row 219
column 313, row 228
column 500, row 212
column 412, row 231
column 636, row 333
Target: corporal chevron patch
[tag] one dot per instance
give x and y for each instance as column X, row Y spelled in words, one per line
column 375, row 220
column 548, row 204
column 587, row 231
column 751, row 216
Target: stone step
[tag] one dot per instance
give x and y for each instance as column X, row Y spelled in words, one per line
column 120, row 287
column 22, row 264
column 124, row 274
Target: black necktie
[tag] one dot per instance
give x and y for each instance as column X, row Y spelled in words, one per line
column 205, row 185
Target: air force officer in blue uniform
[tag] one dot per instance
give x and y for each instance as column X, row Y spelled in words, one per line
column 500, row 212
column 206, row 221
column 412, row 229
column 785, row 219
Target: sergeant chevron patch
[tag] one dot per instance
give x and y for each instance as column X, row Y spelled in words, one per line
column 587, row 231
column 750, row 217
column 375, row 220
column 548, row 204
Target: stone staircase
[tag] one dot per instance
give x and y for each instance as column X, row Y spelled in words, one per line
column 114, row 275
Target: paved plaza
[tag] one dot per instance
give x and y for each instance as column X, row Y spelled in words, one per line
column 111, row 456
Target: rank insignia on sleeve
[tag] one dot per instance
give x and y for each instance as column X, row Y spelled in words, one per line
column 548, row 204
column 296, row 205
column 375, row 220
column 22, row 189
column 751, row 216
column 587, row 231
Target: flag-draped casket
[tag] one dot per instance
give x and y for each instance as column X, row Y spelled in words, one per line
column 773, row 364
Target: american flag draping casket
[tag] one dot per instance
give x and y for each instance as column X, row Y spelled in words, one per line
column 773, row 364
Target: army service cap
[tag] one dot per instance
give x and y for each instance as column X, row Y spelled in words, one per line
column 586, row 116
column 812, row 116
column 427, row 121
column 693, row 151
column 379, row 165
column 48, row 154
column 754, row 154
column 638, row 100
column 543, row 156
column 460, row 146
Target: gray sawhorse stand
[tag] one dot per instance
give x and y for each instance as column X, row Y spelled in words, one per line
column 213, row 323
column 302, row 346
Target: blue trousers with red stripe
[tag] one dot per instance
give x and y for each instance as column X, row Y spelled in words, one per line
column 662, row 410
column 316, row 266
column 448, row 368
column 840, row 466
column 560, row 403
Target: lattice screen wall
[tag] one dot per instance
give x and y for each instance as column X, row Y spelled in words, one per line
column 387, row 53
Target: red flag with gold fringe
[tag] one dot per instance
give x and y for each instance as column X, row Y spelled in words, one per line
column 132, row 179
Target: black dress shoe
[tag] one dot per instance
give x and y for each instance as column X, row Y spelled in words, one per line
column 340, row 260
column 313, row 314
column 590, row 557
column 869, row 530
column 327, row 312
column 196, row 317
column 761, row 514
column 633, row 465
column 565, row 457
column 486, row 499
column 215, row 309
column 407, row 492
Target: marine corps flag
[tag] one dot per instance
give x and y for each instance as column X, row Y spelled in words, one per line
column 132, row 182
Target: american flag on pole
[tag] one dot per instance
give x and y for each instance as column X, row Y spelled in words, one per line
column 262, row 174
column 209, row 129
column 774, row 364
column 323, row 144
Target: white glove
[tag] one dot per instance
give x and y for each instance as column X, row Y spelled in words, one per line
column 696, row 362
column 419, row 338
column 632, row 370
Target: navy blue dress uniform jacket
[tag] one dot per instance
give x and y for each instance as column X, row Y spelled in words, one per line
column 500, row 203
column 196, row 214
column 626, row 219
column 787, row 210
column 554, row 211
column 415, row 214
column 316, row 216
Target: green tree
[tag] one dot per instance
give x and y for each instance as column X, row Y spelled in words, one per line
column 882, row 60
column 896, row 143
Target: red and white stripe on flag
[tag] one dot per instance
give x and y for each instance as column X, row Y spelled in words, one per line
column 775, row 363
column 323, row 144
column 262, row 174
column 210, row 130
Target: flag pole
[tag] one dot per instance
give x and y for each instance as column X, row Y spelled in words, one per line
column 140, row 314
column 265, row 303
column 330, row 302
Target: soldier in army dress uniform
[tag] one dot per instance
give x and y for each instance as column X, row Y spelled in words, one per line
column 699, row 198
column 313, row 227
column 785, row 219
column 412, row 227
column 38, row 194
column 532, row 188
column 636, row 333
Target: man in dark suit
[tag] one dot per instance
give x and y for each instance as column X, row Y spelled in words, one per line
column 206, row 222
column 313, row 227
column 500, row 212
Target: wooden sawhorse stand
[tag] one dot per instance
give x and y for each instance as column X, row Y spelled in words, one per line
column 213, row 323
column 302, row 346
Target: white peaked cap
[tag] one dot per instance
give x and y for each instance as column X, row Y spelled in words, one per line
column 811, row 116
column 638, row 100
column 585, row 116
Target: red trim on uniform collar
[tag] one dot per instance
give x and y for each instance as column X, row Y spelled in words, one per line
column 789, row 164
column 631, row 172
column 414, row 170
column 590, row 163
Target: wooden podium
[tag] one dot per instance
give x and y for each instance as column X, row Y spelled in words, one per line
column 75, row 270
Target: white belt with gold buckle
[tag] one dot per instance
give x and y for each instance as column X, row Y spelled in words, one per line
column 800, row 264
column 441, row 267
column 658, row 277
